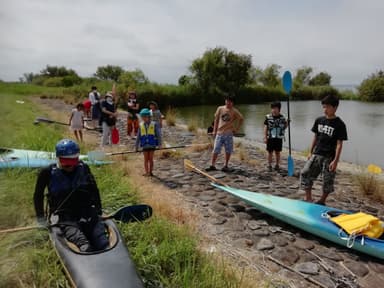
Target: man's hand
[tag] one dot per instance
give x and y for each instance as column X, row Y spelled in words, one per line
column 265, row 140
column 333, row 166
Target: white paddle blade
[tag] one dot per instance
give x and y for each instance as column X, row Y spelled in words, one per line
column 96, row 155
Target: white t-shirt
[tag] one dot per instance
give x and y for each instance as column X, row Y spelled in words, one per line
column 93, row 98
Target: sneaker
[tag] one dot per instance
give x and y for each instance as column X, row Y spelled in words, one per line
column 225, row 169
column 270, row 168
column 211, row 168
column 320, row 203
column 277, row 168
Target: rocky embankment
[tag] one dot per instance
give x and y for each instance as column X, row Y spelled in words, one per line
column 253, row 239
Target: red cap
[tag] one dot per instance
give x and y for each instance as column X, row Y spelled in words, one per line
column 69, row 161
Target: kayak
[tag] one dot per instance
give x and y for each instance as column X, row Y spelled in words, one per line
column 310, row 217
column 20, row 158
column 111, row 267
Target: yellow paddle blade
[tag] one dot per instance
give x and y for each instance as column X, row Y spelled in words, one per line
column 372, row 168
column 188, row 165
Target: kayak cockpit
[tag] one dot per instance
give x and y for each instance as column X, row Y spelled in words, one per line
column 113, row 237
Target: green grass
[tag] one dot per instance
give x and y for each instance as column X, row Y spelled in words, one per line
column 166, row 255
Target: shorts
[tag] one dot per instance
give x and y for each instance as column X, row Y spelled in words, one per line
column 274, row 144
column 225, row 140
column 313, row 167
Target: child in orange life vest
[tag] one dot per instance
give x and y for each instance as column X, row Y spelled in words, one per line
column 148, row 138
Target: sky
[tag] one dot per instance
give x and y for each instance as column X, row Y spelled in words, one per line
column 162, row 37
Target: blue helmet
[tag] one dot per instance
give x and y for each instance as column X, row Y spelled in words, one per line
column 145, row 112
column 67, row 148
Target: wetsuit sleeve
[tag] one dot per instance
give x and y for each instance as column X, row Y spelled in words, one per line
column 94, row 192
column 38, row 197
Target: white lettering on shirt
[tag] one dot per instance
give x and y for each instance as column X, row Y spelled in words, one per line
column 325, row 129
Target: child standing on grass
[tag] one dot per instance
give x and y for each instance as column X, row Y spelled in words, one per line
column 148, row 138
column 274, row 128
column 330, row 132
column 76, row 121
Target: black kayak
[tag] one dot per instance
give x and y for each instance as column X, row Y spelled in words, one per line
column 111, row 267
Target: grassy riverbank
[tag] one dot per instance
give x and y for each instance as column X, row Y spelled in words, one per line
column 166, row 254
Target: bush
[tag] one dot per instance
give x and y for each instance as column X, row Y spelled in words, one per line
column 314, row 92
column 372, row 88
column 53, row 82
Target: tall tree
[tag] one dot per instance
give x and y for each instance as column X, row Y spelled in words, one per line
column 270, row 77
column 302, row 77
column 133, row 78
column 220, row 70
column 109, row 72
column 57, row 71
column 320, row 79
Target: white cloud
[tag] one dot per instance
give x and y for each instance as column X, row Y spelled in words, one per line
column 163, row 37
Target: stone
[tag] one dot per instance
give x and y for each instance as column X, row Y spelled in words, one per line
column 377, row 267
column 253, row 225
column 280, row 241
column 226, row 213
column 288, row 256
column 206, row 198
column 325, row 280
column 358, row 268
column 260, row 232
column 243, row 216
column 218, row 207
column 265, row 244
column 303, row 244
column 308, row 268
column 220, row 175
column 330, row 254
column 218, row 220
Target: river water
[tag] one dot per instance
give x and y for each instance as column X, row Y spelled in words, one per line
column 365, row 126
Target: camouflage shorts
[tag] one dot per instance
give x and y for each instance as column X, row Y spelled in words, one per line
column 315, row 165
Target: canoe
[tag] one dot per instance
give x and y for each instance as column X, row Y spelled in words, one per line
column 112, row 267
column 20, row 158
column 310, row 217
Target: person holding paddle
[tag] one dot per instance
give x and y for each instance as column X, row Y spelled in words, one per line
column 73, row 199
column 274, row 128
column 148, row 138
column 224, row 127
column 330, row 132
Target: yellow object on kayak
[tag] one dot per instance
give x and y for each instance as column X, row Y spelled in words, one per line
column 360, row 224
column 372, row 168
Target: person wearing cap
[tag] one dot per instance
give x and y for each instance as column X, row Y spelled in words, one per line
column 108, row 116
column 148, row 138
column 73, row 199
column 227, row 121
column 94, row 97
column 132, row 120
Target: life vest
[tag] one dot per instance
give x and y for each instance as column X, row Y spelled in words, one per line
column 74, row 187
column 276, row 126
column 148, row 136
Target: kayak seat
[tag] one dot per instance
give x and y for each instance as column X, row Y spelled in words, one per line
column 112, row 236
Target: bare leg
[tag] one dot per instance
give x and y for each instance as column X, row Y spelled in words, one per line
column 323, row 198
column 308, row 194
column 214, row 158
column 81, row 135
column 150, row 156
column 76, row 135
column 227, row 157
column 270, row 156
column 277, row 155
column 146, row 162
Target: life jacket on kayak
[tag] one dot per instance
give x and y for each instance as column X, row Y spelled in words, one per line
column 68, row 193
column 148, row 138
column 360, row 224
column 276, row 126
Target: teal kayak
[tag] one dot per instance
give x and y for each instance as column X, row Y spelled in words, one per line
column 310, row 217
column 21, row 158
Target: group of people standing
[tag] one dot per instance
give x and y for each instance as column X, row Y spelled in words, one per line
column 325, row 150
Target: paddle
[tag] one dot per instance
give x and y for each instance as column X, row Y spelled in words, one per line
column 45, row 120
column 287, row 84
column 190, row 167
column 234, row 134
column 372, row 168
column 100, row 155
column 126, row 214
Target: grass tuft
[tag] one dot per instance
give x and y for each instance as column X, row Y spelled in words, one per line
column 370, row 186
column 193, row 125
column 171, row 116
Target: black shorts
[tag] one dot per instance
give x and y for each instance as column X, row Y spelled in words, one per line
column 274, row 144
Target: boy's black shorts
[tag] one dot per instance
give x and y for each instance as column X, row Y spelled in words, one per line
column 274, row 144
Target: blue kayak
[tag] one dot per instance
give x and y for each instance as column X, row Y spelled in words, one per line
column 310, row 217
column 20, row 158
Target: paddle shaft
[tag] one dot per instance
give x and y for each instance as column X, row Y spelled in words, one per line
column 194, row 168
column 20, row 229
column 56, row 122
column 289, row 125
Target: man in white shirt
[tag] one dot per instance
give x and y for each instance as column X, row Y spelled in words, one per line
column 94, row 97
